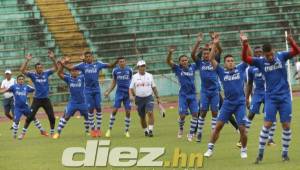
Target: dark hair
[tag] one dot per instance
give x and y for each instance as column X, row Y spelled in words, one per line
column 20, row 75
column 121, row 58
column 87, row 53
column 182, row 57
column 257, row 48
column 227, row 56
column 267, row 47
column 37, row 64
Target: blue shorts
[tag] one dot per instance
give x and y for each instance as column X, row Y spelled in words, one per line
column 256, row 101
column 72, row 108
column 211, row 99
column 8, row 104
column 93, row 99
column 144, row 105
column 239, row 111
column 122, row 97
column 21, row 111
column 187, row 102
column 280, row 103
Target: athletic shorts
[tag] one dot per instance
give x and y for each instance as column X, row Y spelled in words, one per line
column 144, row 105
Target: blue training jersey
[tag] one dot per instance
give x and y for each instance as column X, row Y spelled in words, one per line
column 91, row 74
column 76, row 88
column 20, row 93
column 233, row 83
column 255, row 76
column 275, row 73
column 186, row 78
column 41, row 83
column 208, row 76
column 122, row 77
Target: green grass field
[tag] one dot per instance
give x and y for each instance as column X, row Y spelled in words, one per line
column 40, row 153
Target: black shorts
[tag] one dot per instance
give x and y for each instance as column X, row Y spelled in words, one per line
column 8, row 104
column 144, row 105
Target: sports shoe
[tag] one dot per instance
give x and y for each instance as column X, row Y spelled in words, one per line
column 285, row 158
column 99, row 133
column 208, row 153
column 107, row 134
column 199, row 137
column 244, row 154
column 258, row 159
column 150, row 133
column 146, row 133
column 56, row 136
column 271, row 142
column 21, row 136
column 239, row 144
column 127, row 134
column 190, row 137
column 180, row 133
column 93, row 133
column 44, row 133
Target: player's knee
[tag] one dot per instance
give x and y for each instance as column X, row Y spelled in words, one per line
column 285, row 125
column 98, row 109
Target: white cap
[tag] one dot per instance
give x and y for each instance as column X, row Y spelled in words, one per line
column 7, row 71
column 141, row 62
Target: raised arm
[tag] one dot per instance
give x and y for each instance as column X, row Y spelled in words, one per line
column 52, row 58
column 249, row 88
column 214, row 35
column 196, row 46
column 111, row 87
column 213, row 52
column 60, row 72
column 245, row 52
column 112, row 65
column 23, row 68
column 295, row 49
column 169, row 60
column 66, row 65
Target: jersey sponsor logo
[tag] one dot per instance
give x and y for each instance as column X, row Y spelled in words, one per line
column 276, row 66
column 183, row 73
column 90, row 70
column 207, row 68
column 232, row 77
column 142, row 84
column 41, row 80
column 20, row 93
column 75, row 84
column 123, row 77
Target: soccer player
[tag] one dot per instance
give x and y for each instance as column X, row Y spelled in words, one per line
column 20, row 92
column 187, row 98
column 256, row 80
column 8, row 97
column 122, row 75
column 232, row 78
column 278, row 96
column 40, row 79
column 77, row 102
column 91, row 69
column 142, row 87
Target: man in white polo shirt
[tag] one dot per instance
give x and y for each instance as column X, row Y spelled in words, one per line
column 142, row 87
column 8, row 99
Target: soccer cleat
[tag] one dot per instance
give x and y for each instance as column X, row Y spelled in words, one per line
column 271, row 143
column 107, row 134
column 99, row 133
column 180, row 134
column 56, row 136
column 146, row 133
column 199, row 137
column 21, row 136
column 93, row 133
column 239, row 144
column 44, row 133
column 190, row 137
column 244, row 155
column 208, row 153
column 258, row 159
column 150, row 133
column 285, row 158
column 127, row 134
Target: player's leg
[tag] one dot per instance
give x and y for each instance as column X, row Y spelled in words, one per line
column 97, row 99
column 204, row 103
column 36, row 104
column 127, row 106
column 182, row 111
column 116, row 106
column 69, row 111
column 231, row 119
column 149, row 110
column 241, row 118
column 271, row 141
column 17, row 116
column 225, row 113
column 141, row 109
column 91, row 106
column 270, row 117
column 214, row 107
column 285, row 111
column 194, row 109
column 47, row 106
column 256, row 101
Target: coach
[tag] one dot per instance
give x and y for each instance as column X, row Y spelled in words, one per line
column 142, row 87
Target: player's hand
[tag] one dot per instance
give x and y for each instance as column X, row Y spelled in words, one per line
column 243, row 37
column 106, row 94
column 289, row 38
column 131, row 98
column 51, row 54
column 248, row 104
column 171, row 49
column 199, row 37
column 158, row 100
column 216, row 39
column 28, row 56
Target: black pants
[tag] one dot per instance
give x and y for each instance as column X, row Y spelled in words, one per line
column 45, row 103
